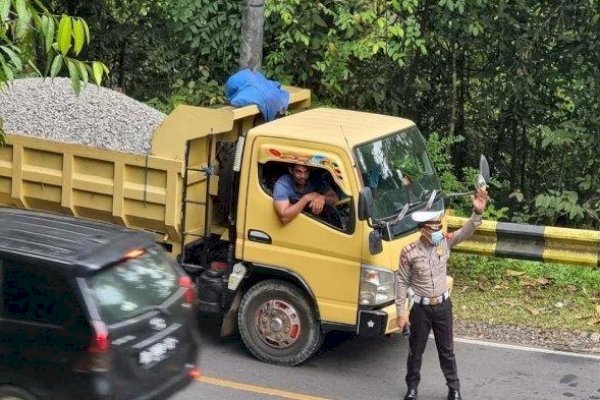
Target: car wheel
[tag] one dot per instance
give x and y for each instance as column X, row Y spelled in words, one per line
column 277, row 323
column 14, row 393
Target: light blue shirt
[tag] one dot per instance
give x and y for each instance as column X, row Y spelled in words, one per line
column 285, row 189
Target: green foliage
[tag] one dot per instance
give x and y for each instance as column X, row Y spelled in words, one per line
column 554, row 205
column 439, row 151
column 346, row 50
column 516, row 292
column 31, row 36
column 32, row 39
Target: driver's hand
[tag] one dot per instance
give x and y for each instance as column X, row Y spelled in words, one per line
column 311, row 196
column 317, row 204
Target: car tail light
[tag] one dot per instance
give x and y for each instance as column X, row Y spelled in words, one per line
column 97, row 357
column 194, row 372
column 190, row 291
column 100, row 342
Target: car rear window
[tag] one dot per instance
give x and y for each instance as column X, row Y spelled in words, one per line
column 134, row 286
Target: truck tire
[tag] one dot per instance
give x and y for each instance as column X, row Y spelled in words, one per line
column 277, row 323
column 14, row 393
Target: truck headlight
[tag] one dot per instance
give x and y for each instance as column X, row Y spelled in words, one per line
column 376, row 285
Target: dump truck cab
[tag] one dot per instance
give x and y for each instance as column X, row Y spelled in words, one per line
column 327, row 260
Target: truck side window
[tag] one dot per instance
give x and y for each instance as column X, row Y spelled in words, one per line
column 31, row 294
column 338, row 217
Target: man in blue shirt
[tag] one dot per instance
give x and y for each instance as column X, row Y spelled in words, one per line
column 294, row 191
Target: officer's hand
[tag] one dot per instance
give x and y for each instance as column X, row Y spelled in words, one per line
column 317, row 204
column 401, row 322
column 480, row 200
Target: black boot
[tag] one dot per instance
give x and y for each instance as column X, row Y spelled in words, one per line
column 454, row 394
column 411, row 394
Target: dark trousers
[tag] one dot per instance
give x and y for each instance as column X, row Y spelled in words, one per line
column 422, row 320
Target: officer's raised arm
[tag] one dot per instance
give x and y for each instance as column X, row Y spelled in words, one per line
column 479, row 202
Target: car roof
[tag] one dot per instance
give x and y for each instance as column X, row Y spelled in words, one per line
column 334, row 126
column 79, row 244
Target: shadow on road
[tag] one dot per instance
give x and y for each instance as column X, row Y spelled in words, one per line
column 337, row 347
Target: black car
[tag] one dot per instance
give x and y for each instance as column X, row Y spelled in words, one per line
column 91, row 311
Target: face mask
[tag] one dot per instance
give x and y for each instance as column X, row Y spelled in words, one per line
column 435, row 237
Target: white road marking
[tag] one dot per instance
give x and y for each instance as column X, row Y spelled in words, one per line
column 526, row 348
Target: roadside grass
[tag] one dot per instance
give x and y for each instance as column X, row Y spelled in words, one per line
column 547, row 296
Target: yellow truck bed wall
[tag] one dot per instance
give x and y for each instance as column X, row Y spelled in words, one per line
column 132, row 190
column 143, row 192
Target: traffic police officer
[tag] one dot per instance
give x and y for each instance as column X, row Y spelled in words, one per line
column 423, row 268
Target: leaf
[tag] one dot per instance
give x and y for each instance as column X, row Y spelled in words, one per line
column 517, row 195
column 64, row 34
column 74, row 74
column 4, row 9
column 534, row 311
column 597, row 310
column 37, row 20
column 97, row 72
column 33, row 67
column 79, row 35
column 56, row 65
column 7, row 70
column 16, row 60
column 510, row 272
column 86, row 28
column 542, row 281
column 23, row 20
column 83, row 72
column 50, row 34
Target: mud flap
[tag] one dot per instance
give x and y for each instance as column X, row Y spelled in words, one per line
column 229, row 324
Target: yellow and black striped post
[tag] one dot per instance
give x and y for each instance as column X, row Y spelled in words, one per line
column 531, row 242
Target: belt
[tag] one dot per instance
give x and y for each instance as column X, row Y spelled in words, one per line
column 431, row 301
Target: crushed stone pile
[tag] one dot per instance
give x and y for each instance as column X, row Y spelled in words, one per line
column 98, row 117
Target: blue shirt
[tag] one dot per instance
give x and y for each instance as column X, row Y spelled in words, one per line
column 284, row 188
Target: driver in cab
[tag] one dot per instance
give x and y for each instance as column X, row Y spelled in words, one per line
column 297, row 190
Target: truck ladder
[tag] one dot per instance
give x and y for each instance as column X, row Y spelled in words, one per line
column 209, row 171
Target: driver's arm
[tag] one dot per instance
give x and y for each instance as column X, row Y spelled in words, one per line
column 287, row 211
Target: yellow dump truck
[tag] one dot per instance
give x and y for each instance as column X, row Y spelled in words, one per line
column 205, row 190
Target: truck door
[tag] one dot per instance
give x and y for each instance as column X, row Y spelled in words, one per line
column 324, row 254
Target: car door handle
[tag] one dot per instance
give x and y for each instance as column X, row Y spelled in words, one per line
column 254, row 235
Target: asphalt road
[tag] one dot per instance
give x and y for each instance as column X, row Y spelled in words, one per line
column 349, row 367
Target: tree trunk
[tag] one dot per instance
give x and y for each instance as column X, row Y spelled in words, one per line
column 253, row 20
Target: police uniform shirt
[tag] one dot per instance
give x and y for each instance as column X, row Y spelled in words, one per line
column 423, row 267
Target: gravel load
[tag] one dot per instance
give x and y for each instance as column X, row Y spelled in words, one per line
column 98, row 117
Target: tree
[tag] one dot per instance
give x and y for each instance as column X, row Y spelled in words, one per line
column 34, row 42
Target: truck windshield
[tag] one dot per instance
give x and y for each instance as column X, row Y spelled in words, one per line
column 398, row 171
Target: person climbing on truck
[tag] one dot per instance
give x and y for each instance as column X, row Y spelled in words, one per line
column 297, row 190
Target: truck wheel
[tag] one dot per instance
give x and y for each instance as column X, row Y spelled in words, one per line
column 277, row 323
column 14, row 393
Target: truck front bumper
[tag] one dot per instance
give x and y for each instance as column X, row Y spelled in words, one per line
column 377, row 322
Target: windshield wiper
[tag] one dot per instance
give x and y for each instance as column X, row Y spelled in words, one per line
column 408, row 207
column 157, row 307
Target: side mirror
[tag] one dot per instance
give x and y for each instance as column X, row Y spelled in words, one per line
column 365, row 204
column 482, row 180
column 375, row 242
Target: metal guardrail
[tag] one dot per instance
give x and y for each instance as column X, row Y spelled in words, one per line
column 531, row 242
